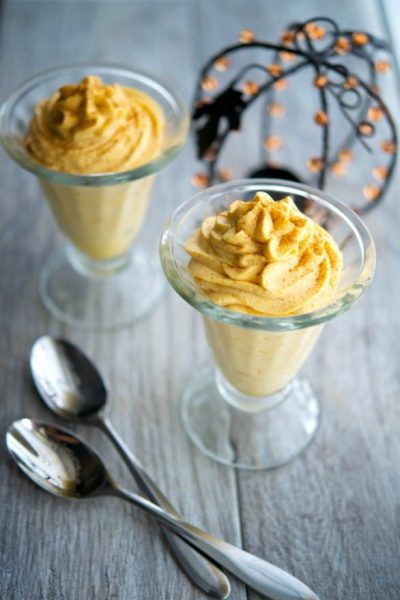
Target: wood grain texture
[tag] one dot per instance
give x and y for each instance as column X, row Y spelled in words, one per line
column 332, row 516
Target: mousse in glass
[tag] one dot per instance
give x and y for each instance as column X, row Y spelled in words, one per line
column 95, row 136
column 265, row 278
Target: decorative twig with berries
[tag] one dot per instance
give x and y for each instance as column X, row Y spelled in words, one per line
column 317, row 44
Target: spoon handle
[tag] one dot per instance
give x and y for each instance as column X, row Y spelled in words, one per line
column 265, row 578
column 200, row 570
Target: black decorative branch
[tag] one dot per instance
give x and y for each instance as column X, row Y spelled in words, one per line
column 316, row 44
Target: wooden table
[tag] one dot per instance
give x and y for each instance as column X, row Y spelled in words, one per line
column 332, row 516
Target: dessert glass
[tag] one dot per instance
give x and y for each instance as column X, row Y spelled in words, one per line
column 251, row 410
column 99, row 281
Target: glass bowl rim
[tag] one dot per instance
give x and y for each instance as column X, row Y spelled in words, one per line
column 95, row 179
column 190, row 293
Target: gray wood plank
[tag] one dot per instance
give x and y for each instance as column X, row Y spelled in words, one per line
column 60, row 550
column 331, row 517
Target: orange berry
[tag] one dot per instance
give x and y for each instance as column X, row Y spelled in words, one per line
column 365, row 128
column 382, row 66
column 222, row 64
column 388, row 146
column 280, row 85
column 320, row 81
column 359, row 38
column 276, row 109
column 225, row 174
column 250, row 88
column 315, row 164
column 200, row 180
column 273, row 142
column 246, row 36
column 209, row 83
column 321, row 118
column 338, row 168
column 375, row 113
column 371, row 192
column 346, row 155
column 274, row 69
column 342, row 45
column 380, row 172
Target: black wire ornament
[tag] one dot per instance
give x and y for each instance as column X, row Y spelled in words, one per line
column 317, row 43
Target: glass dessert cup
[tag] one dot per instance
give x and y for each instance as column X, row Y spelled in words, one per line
column 250, row 410
column 102, row 280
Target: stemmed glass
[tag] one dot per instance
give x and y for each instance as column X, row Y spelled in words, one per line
column 101, row 280
column 251, row 410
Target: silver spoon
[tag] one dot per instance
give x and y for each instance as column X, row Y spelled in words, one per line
column 62, row 464
column 71, row 386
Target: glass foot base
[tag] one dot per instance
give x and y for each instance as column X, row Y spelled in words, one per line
column 101, row 302
column 264, row 439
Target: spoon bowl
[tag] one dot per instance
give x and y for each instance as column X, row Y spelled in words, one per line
column 66, row 379
column 57, row 461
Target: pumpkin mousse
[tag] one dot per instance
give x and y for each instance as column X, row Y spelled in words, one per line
column 263, row 258
column 93, row 128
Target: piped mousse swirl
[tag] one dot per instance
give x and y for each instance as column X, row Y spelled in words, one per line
column 265, row 257
column 91, row 127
